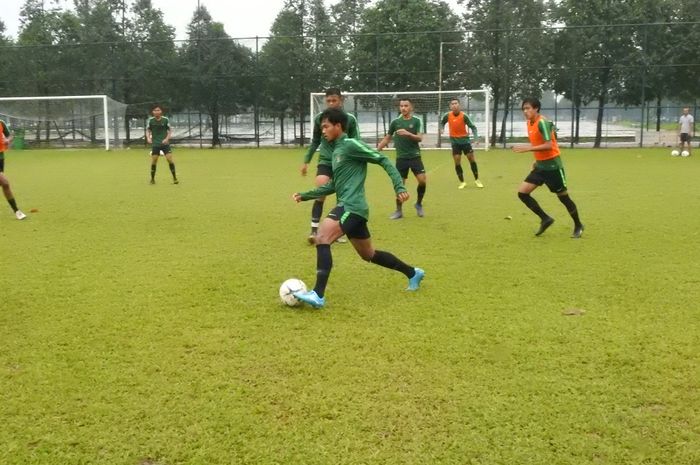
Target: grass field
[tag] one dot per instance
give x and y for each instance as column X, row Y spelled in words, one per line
column 140, row 324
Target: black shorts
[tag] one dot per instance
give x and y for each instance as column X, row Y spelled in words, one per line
column 2, row 165
column 353, row 225
column 415, row 164
column 555, row 179
column 685, row 137
column 463, row 148
column 324, row 170
column 165, row 148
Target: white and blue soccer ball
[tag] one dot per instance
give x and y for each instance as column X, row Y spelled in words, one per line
column 685, row 153
column 287, row 290
column 675, row 153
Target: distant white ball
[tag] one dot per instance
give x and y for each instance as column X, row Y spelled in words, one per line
column 675, row 153
column 287, row 290
column 685, row 153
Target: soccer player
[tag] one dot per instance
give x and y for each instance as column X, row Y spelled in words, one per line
column 459, row 125
column 685, row 124
column 407, row 132
column 548, row 168
column 324, row 170
column 349, row 217
column 5, row 140
column 158, row 134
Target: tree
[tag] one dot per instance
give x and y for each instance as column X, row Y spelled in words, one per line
column 217, row 69
column 346, row 24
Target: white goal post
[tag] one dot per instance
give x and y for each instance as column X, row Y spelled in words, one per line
column 375, row 110
column 69, row 119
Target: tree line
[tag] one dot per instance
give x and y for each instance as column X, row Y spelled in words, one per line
column 598, row 52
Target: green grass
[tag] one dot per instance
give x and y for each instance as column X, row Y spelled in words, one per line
column 141, row 325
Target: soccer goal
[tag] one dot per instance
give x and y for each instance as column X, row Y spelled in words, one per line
column 68, row 121
column 375, row 110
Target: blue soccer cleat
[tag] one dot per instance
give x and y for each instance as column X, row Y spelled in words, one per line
column 310, row 298
column 414, row 282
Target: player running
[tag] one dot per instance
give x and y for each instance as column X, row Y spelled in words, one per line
column 158, row 134
column 324, row 170
column 349, row 217
column 407, row 132
column 548, row 168
column 5, row 141
column 459, row 126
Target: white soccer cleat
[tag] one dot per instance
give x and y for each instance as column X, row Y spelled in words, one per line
column 478, row 184
column 462, row 185
column 20, row 215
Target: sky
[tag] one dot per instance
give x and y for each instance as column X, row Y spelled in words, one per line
column 241, row 18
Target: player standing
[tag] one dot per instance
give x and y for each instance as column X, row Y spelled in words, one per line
column 548, row 168
column 158, row 134
column 5, row 140
column 459, row 125
column 324, row 170
column 685, row 126
column 349, row 217
column 407, row 132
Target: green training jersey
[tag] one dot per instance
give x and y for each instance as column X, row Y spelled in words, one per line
column 159, row 129
column 3, row 137
column 405, row 147
column 350, row 158
column 458, row 124
column 317, row 140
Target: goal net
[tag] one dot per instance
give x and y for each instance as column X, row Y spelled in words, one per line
column 65, row 121
column 375, row 110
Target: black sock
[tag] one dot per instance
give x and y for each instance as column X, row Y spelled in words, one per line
column 571, row 208
column 398, row 205
column 475, row 170
column 153, row 172
column 316, row 212
column 533, row 205
column 13, row 204
column 388, row 260
column 172, row 170
column 460, row 172
column 324, row 263
column 421, row 193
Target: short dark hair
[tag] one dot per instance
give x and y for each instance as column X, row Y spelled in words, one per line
column 534, row 102
column 333, row 91
column 405, row 99
column 157, row 105
column 454, row 99
column 335, row 116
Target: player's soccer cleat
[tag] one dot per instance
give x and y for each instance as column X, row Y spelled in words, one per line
column 462, row 186
column 396, row 215
column 419, row 210
column 578, row 231
column 478, row 183
column 544, row 225
column 310, row 298
column 19, row 215
column 311, row 239
column 175, row 181
column 414, row 282
column 153, row 181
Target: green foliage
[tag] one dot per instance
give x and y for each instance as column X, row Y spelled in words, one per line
column 140, row 324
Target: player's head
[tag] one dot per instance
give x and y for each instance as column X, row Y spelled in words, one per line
column 686, row 110
column 334, row 99
column 405, row 106
column 334, row 122
column 156, row 110
column 531, row 107
column 454, row 105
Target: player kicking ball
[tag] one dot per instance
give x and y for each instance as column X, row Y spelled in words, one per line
column 548, row 168
column 5, row 140
column 350, row 158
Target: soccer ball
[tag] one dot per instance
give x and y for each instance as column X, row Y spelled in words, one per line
column 685, row 153
column 287, row 290
column 675, row 153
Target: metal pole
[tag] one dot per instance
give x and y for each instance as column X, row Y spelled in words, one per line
column 105, row 109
